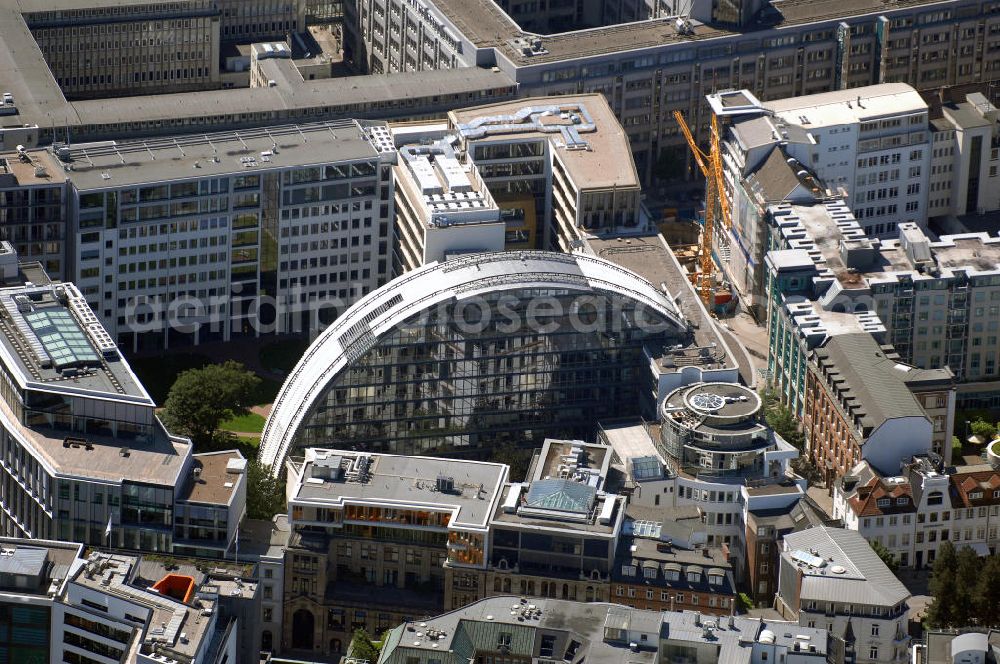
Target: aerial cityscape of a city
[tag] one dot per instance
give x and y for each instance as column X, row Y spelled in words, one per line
column 499, row 332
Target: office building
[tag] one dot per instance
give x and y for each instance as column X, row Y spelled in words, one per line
column 32, row 210
column 831, row 579
column 557, row 533
column 569, row 155
column 869, row 145
column 59, row 605
column 468, row 353
column 514, row 629
column 84, row 456
column 220, row 236
column 911, row 513
column 96, row 50
column 741, row 476
column 443, row 207
column 647, row 67
column 891, row 155
column 377, row 539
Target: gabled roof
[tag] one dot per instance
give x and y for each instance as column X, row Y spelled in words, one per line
column 867, row 379
column 777, row 179
column 964, row 484
column 864, row 579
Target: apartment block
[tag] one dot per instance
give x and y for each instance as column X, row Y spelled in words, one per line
column 377, row 539
column 831, row 579
column 663, row 564
column 911, row 513
column 509, row 628
column 932, row 297
column 859, row 407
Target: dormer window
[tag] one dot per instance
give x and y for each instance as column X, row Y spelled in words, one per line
column 975, row 495
column 628, row 570
column 901, row 501
column 883, row 502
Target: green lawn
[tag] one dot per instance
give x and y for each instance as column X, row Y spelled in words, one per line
column 281, row 356
column 249, row 423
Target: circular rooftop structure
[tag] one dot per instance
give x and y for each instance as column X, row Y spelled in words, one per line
column 720, row 401
column 407, row 370
column 714, row 428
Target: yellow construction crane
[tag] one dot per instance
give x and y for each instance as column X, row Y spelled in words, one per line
column 710, row 166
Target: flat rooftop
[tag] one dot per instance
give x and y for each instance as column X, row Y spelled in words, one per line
column 158, row 459
column 464, row 630
column 114, row 574
column 103, row 165
column 219, row 474
column 53, row 560
column 36, row 167
column 403, row 481
column 584, row 132
column 486, row 25
column 50, row 339
column 650, row 257
column 850, row 105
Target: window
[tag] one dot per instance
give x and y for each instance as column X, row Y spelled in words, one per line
column 548, row 645
column 875, row 629
column 873, row 652
column 503, row 640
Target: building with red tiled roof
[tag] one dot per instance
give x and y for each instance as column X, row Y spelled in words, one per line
column 912, row 513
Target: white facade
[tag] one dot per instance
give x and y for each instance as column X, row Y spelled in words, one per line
column 913, row 513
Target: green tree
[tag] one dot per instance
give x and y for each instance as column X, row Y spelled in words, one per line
column 941, row 612
column 202, row 398
column 886, row 555
column 515, row 457
column 967, row 569
column 983, row 428
column 265, row 493
column 780, row 418
column 988, row 592
column 362, row 647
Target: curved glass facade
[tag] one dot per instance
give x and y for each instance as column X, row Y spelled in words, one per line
column 513, row 365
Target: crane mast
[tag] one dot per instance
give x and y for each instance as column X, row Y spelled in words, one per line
column 710, row 166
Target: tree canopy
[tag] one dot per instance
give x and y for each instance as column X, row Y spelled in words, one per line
column 965, row 588
column 200, row 399
column 362, row 646
column 781, row 418
column 265, row 494
column 886, row 555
